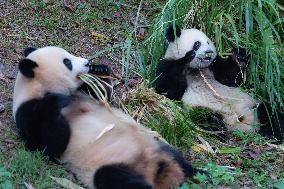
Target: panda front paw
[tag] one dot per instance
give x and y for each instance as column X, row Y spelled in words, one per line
column 49, row 107
column 100, row 69
column 240, row 56
column 189, row 56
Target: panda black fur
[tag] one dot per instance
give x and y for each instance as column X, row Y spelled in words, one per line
column 191, row 71
column 105, row 149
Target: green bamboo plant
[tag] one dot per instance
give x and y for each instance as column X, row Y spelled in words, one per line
column 256, row 25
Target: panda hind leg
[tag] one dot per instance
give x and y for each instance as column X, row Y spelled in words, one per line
column 212, row 121
column 187, row 168
column 119, row 176
column 272, row 126
column 216, row 123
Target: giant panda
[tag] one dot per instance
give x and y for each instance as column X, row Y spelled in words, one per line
column 191, row 71
column 104, row 147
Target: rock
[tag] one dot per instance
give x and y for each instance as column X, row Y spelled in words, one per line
column 2, row 108
column 1, row 68
column 51, row 2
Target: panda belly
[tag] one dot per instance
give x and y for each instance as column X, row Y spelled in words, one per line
column 91, row 143
column 102, row 137
column 235, row 106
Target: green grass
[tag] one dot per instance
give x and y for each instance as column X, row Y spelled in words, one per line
column 23, row 166
column 254, row 165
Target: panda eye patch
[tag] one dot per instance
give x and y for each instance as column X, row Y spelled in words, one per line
column 196, row 45
column 68, row 63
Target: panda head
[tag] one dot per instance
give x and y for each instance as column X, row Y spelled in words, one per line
column 47, row 70
column 183, row 41
column 53, row 68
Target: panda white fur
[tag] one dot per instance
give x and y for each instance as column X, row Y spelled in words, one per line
column 105, row 149
column 191, row 71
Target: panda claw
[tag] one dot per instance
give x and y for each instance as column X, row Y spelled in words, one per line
column 100, row 69
column 240, row 56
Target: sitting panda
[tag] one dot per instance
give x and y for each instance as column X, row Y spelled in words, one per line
column 105, row 148
column 191, row 71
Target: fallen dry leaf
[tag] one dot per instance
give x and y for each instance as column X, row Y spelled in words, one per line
column 78, row 24
column 132, row 82
column 99, row 38
column 67, row 6
column 239, row 163
column 253, row 155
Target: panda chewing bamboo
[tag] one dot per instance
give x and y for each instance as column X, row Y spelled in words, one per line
column 105, row 149
column 191, row 71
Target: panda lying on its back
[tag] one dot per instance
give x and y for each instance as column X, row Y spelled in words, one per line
column 106, row 149
column 192, row 72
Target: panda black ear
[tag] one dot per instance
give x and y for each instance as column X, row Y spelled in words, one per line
column 172, row 33
column 28, row 50
column 26, row 67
